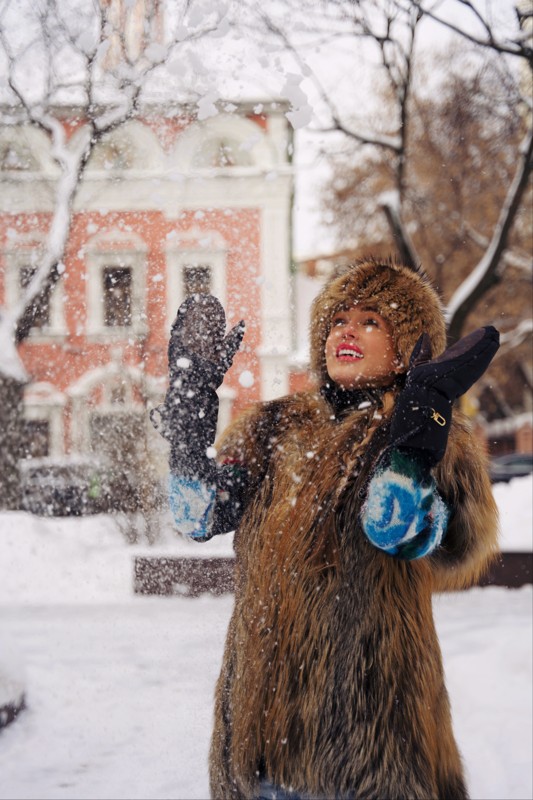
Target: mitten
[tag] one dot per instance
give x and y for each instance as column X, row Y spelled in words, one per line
column 403, row 513
column 199, row 355
column 423, row 411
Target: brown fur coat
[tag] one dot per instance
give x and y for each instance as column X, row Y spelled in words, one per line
column 332, row 680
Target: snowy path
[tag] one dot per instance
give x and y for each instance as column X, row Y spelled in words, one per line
column 120, row 699
column 120, row 695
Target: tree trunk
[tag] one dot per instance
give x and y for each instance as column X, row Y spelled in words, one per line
column 11, row 403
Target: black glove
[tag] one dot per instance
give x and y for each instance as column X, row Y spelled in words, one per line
column 199, row 355
column 423, row 412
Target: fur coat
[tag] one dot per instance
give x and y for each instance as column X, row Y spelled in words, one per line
column 332, row 681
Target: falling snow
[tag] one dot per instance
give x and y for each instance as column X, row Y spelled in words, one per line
column 246, row 379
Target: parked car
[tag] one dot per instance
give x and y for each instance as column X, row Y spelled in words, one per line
column 65, row 487
column 513, row 465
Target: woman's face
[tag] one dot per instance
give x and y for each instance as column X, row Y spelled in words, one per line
column 360, row 351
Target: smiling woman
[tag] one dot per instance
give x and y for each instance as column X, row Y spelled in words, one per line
column 360, row 349
column 332, row 682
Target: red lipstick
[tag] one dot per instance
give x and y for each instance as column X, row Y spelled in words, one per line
column 348, row 352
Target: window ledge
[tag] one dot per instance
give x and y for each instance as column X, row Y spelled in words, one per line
column 44, row 336
column 117, row 334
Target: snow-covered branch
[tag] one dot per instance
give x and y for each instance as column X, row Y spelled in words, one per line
column 488, row 271
column 518, row 46
column 124, row 82
column 511, row 259
column 11, row 366
column 72, row 160
column 389, row 202
column 337, row 123
column 517, row 335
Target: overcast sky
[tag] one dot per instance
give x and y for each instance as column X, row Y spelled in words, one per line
column 234, row 66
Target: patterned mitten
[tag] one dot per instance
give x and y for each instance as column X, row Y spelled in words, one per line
column 403, row 514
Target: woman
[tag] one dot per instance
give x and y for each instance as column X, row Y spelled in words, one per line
column 352, row 504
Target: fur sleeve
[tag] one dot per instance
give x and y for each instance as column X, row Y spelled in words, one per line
column 202, row 510
column 249, row 440
column 471, row 540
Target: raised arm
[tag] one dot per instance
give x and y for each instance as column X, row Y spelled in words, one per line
column 205, row 498
column 405, row 513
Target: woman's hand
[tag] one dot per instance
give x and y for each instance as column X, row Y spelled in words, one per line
column 423, row 411
column 199, row 355
column 198, row 336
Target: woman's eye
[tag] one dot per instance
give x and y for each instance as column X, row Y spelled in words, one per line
column 371, row 321
column 338, row 321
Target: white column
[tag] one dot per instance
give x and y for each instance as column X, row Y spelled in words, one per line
column 275, row 306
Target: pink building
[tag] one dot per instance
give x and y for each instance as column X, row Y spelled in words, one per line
column 168, row 206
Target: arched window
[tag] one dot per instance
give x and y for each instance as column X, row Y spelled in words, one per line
column 112, row 155
column 224, row 142
column 23, row 149
column 15, row 158
column 43, row 421
column 109, row 417
column 221, row 151
column 133, row 146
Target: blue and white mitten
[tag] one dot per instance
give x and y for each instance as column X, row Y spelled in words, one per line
column 192, row 502
column 403, row 513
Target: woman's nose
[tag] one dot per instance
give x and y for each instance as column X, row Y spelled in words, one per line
column 349, row 332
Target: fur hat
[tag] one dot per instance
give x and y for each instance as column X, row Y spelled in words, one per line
column 401, row 295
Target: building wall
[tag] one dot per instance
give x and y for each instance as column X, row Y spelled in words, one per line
column 157, row 196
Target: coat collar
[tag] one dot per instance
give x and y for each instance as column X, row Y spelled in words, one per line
column 343, row 400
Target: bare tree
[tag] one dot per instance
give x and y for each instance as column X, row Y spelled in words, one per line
column 389, row 30
column 98, row 56
column 461, row 157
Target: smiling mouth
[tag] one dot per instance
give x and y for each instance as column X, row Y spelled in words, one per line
column 348, row 353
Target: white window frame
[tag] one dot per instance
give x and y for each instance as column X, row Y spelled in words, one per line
column 101, row 380
column 183, row 253
column 42, row 401
column 17, row 257
column 100, row 257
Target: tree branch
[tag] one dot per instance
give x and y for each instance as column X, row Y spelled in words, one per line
column 488, row 271
column 72, row 157
column 72, row 162
column 511, row 259
column 515, row 48
column 389, row 203
column 517, row 335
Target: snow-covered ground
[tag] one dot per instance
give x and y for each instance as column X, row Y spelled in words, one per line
column 120, row 688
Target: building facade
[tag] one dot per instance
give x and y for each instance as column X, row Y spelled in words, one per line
column 167, row 206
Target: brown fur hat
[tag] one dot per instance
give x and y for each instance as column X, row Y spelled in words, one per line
column 401, row 295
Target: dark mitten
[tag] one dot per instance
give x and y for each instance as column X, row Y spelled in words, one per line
column 423, row 411
column 199, row 355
